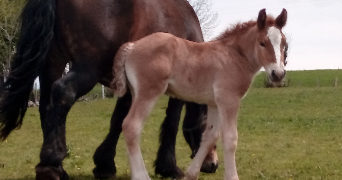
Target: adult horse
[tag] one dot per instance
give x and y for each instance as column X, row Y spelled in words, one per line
column 88, row 33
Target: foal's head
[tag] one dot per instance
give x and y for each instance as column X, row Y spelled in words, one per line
column 271, row 44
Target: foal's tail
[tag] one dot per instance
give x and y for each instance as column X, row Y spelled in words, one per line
column 118, row 84
column 37, row 27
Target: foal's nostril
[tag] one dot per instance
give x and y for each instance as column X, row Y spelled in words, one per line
column 277, row 76
column 274, row 76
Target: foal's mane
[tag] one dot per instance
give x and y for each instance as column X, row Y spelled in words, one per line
column 238, row 29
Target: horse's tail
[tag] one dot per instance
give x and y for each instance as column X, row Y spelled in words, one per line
column 119, row 82
column 37, row 30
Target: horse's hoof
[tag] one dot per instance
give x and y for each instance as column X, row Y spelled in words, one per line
column 51, row 173
column 173, row 172
column 209, row 168
column 104, row 173
column 178, row 173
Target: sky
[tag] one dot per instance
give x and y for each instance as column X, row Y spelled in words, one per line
column 313, row 30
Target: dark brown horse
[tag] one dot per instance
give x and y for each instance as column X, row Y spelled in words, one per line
column 88, row 34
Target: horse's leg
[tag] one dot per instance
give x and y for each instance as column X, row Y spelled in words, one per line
column 53, row 69
column 132, row 128
column 228, row 113
column 64, row 93
column 165, row 164
column 105, row 153
column 193, row 126
column 209, row 138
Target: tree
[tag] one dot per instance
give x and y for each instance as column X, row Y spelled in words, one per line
column 9, row 29
column 207, row 17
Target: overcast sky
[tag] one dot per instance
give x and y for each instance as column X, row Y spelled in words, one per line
column 314, row 28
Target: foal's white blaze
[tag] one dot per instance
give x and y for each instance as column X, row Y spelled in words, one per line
column 274, row 35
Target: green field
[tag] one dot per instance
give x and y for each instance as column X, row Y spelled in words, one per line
column 292, row 133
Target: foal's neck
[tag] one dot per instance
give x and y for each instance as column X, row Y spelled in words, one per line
column 244, row 46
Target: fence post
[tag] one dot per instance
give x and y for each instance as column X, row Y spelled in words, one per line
column 103, row 94
column 336, row 82
column 317, row 82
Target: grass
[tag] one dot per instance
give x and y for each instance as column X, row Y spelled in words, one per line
column 284, row 133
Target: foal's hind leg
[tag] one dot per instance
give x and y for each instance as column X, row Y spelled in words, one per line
column 104, row 154
column 132, row 128
column 64, row 93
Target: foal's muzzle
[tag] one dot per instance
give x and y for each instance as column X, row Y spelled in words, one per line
column 277, row 76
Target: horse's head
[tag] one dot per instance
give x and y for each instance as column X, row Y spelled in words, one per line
column 271, row 45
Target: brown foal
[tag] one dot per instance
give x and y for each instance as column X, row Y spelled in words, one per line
column 216, row 73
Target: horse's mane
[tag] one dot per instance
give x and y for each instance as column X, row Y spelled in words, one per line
column 238, row 29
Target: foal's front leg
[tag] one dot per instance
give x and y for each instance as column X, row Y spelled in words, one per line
column 209, row 138
column 228, row 111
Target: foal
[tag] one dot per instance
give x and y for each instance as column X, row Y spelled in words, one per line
column 216, row 73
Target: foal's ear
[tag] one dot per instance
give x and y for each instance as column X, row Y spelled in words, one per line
column 281, row 19
column 262, row 19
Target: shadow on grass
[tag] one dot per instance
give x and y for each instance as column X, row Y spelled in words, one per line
column 78, row 177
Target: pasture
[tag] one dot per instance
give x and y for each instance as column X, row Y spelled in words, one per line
column 284, row 133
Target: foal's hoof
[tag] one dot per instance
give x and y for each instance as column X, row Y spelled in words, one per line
column 191, row 176
column 50, row 173
column 104, row 173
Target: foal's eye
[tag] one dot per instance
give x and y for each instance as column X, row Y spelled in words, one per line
column 262, row 44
